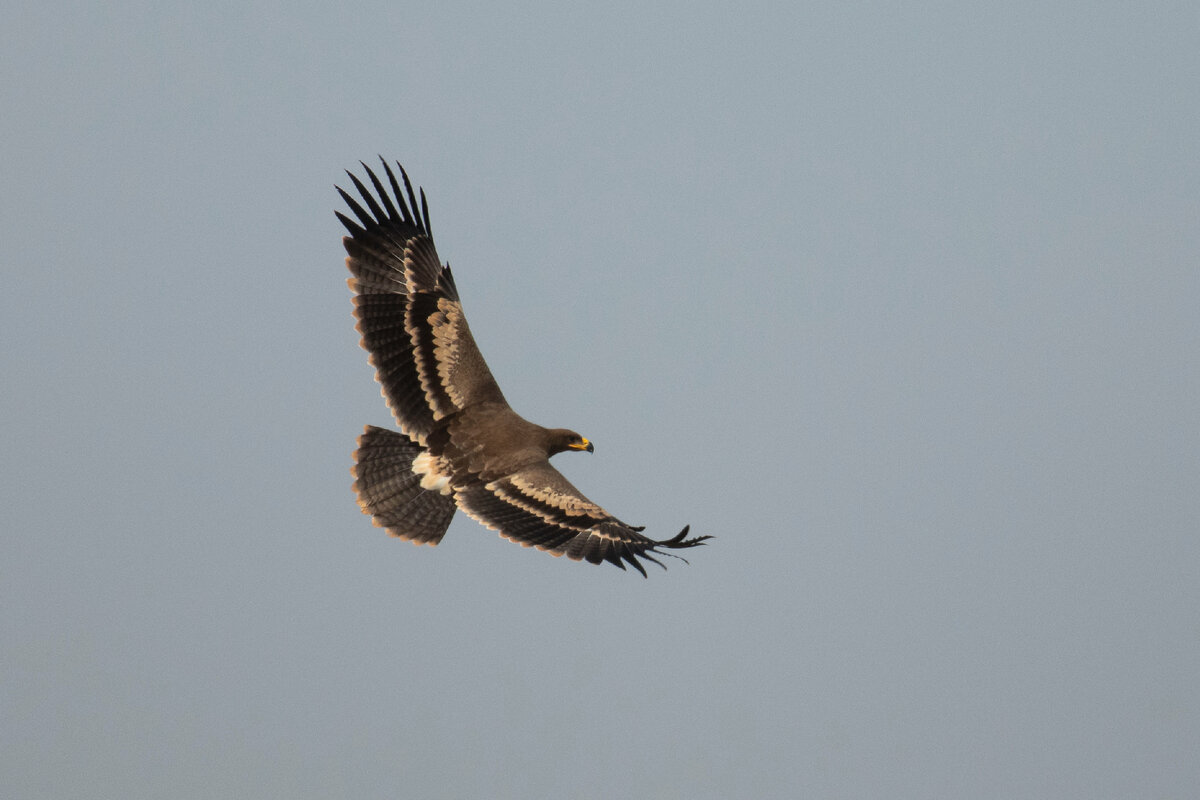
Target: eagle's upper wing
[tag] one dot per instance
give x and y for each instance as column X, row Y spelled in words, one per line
column 408, row 310
column 537, row 507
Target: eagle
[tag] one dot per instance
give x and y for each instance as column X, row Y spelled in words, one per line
column 460, row 445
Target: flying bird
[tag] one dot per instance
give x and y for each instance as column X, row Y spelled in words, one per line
column 460, row 445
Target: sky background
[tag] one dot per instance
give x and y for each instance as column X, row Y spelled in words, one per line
column 897, row 301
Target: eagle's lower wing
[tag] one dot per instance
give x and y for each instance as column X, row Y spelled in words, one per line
column 408, row 310
column 538, row 507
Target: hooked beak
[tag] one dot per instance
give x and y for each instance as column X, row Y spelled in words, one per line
column 584, row 445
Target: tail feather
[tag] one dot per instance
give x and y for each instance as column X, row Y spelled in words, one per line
column 391, row 492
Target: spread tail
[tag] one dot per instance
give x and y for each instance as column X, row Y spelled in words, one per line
column 391, row 492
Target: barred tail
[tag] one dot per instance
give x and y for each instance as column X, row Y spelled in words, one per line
column 391, row 492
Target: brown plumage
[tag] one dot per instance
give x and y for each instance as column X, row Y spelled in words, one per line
column 461, row 445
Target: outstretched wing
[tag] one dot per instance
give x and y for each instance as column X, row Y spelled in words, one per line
column 538, row 507
column 408, row 311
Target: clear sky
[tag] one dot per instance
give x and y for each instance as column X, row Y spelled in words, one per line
column 898, row 301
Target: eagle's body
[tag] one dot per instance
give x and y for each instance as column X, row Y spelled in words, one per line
column 461, row 445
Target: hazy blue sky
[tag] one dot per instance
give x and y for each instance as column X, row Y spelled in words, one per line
column 901, row 302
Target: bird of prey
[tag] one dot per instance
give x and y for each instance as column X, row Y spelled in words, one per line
column 460, row 445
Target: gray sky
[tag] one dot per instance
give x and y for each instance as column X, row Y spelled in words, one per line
column 898, row 302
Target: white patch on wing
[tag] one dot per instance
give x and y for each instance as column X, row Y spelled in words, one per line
column 573, row 504
column 432, row 478
column 447, row 338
